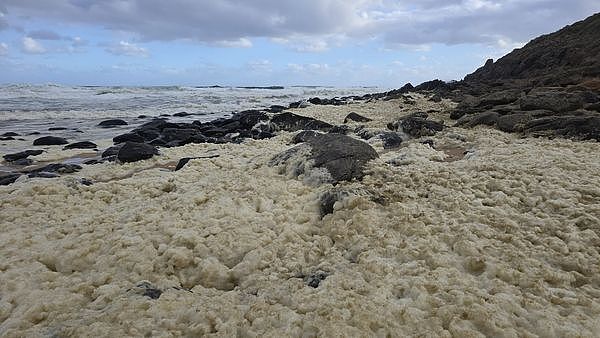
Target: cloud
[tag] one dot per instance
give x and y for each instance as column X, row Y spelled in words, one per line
column 3, row 49
column 239, row 43
column 31, row 46
column 127, row 49
column 44, row 35
column 3, row 20
column 233, row 23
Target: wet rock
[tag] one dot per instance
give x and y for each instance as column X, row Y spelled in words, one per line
column 328, row 199
column 344, row 130
column 343, row 157
column 81, row 145
column 43, row 174
column 356, row 118
column 7, row 138
column 277, row 109
column 182, row 114
column 142, row 116
column 9, row 179
column 293, row 122
column 86, row 181
column 133, row 152
column 315, row 279
column 112, row 123
column 21, row 155
column 10, row 133
column 304, row 136
column 417, row 125
column 112, row 151
column 59, row 168
column 23, row 162
column 390, row 140
column 131, row 137
column 49, row 141
column 57, row 128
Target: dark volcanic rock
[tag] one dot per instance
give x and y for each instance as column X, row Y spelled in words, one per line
column 81, row 145
column 390, row 140
column 132, row 152
column 57, row 128
column 293, row 122
column 488, row 118
column 9, row 179
column 55, row 169
column 315, row 279
column 344, row 130
column 304, row 136
column 417, row 125
column 112, row 123
column 342, row 156
column 586, row 127
column 513, row 122
column 6, row 138
column 49, row 141
column 564, row 57
column 112, row 151
column 22, row 161
column 131, row 137
column 356, row 118
column 182, row 114
column 21, row 155
column 555, row 100
column 10, row 133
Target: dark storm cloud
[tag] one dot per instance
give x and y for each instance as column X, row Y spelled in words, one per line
column 397, row 21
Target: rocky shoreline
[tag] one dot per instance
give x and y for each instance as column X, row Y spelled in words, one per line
column 469, row 208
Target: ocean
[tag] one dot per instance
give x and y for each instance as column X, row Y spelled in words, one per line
column 76, row 110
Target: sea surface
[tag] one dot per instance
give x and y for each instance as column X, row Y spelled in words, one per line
column 28, row 109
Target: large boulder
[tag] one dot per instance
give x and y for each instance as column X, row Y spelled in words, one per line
column 292, row 122
column 133, row 152
column 417, row 125
column 326, row 158
column 81, row 145
column 581, row 127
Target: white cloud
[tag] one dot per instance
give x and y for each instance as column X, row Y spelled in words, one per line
column 3, row 49
column 31, row 46
column 127, row 49
column 238, row 43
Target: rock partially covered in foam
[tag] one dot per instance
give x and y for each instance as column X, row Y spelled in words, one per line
column 326, row 158
column 133, row 152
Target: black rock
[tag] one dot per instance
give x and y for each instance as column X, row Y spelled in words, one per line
column 417, row 125
column 9, row 179
column 513, row 122
column 390, row 140
column 10, row 133
column 488, row 118
column 315, row 279
column 315, row 100
column 21, row 155
column 6, row 138
column 328, row 199
column 132, row 152
column 585, row 127
column 43, row 174
column 22, row 161
column 112, row 151
column 182, row 114
column 112, row 123
column 60, row 168
column 344, row 130
column 277, row 109
column 81, row 145
column 304, row 136
column 293, row 122
column 57, row 128
column 344, row 157
column 86, row 181
column 131, row 137
column 142, row 116
column 49, row 141
column 356, row 118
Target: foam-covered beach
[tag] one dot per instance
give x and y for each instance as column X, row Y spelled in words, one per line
column 485, row 234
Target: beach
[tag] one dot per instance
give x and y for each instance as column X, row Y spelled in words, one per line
column 485, row 233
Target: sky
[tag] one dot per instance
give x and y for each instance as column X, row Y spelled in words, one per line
column 340, row 43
